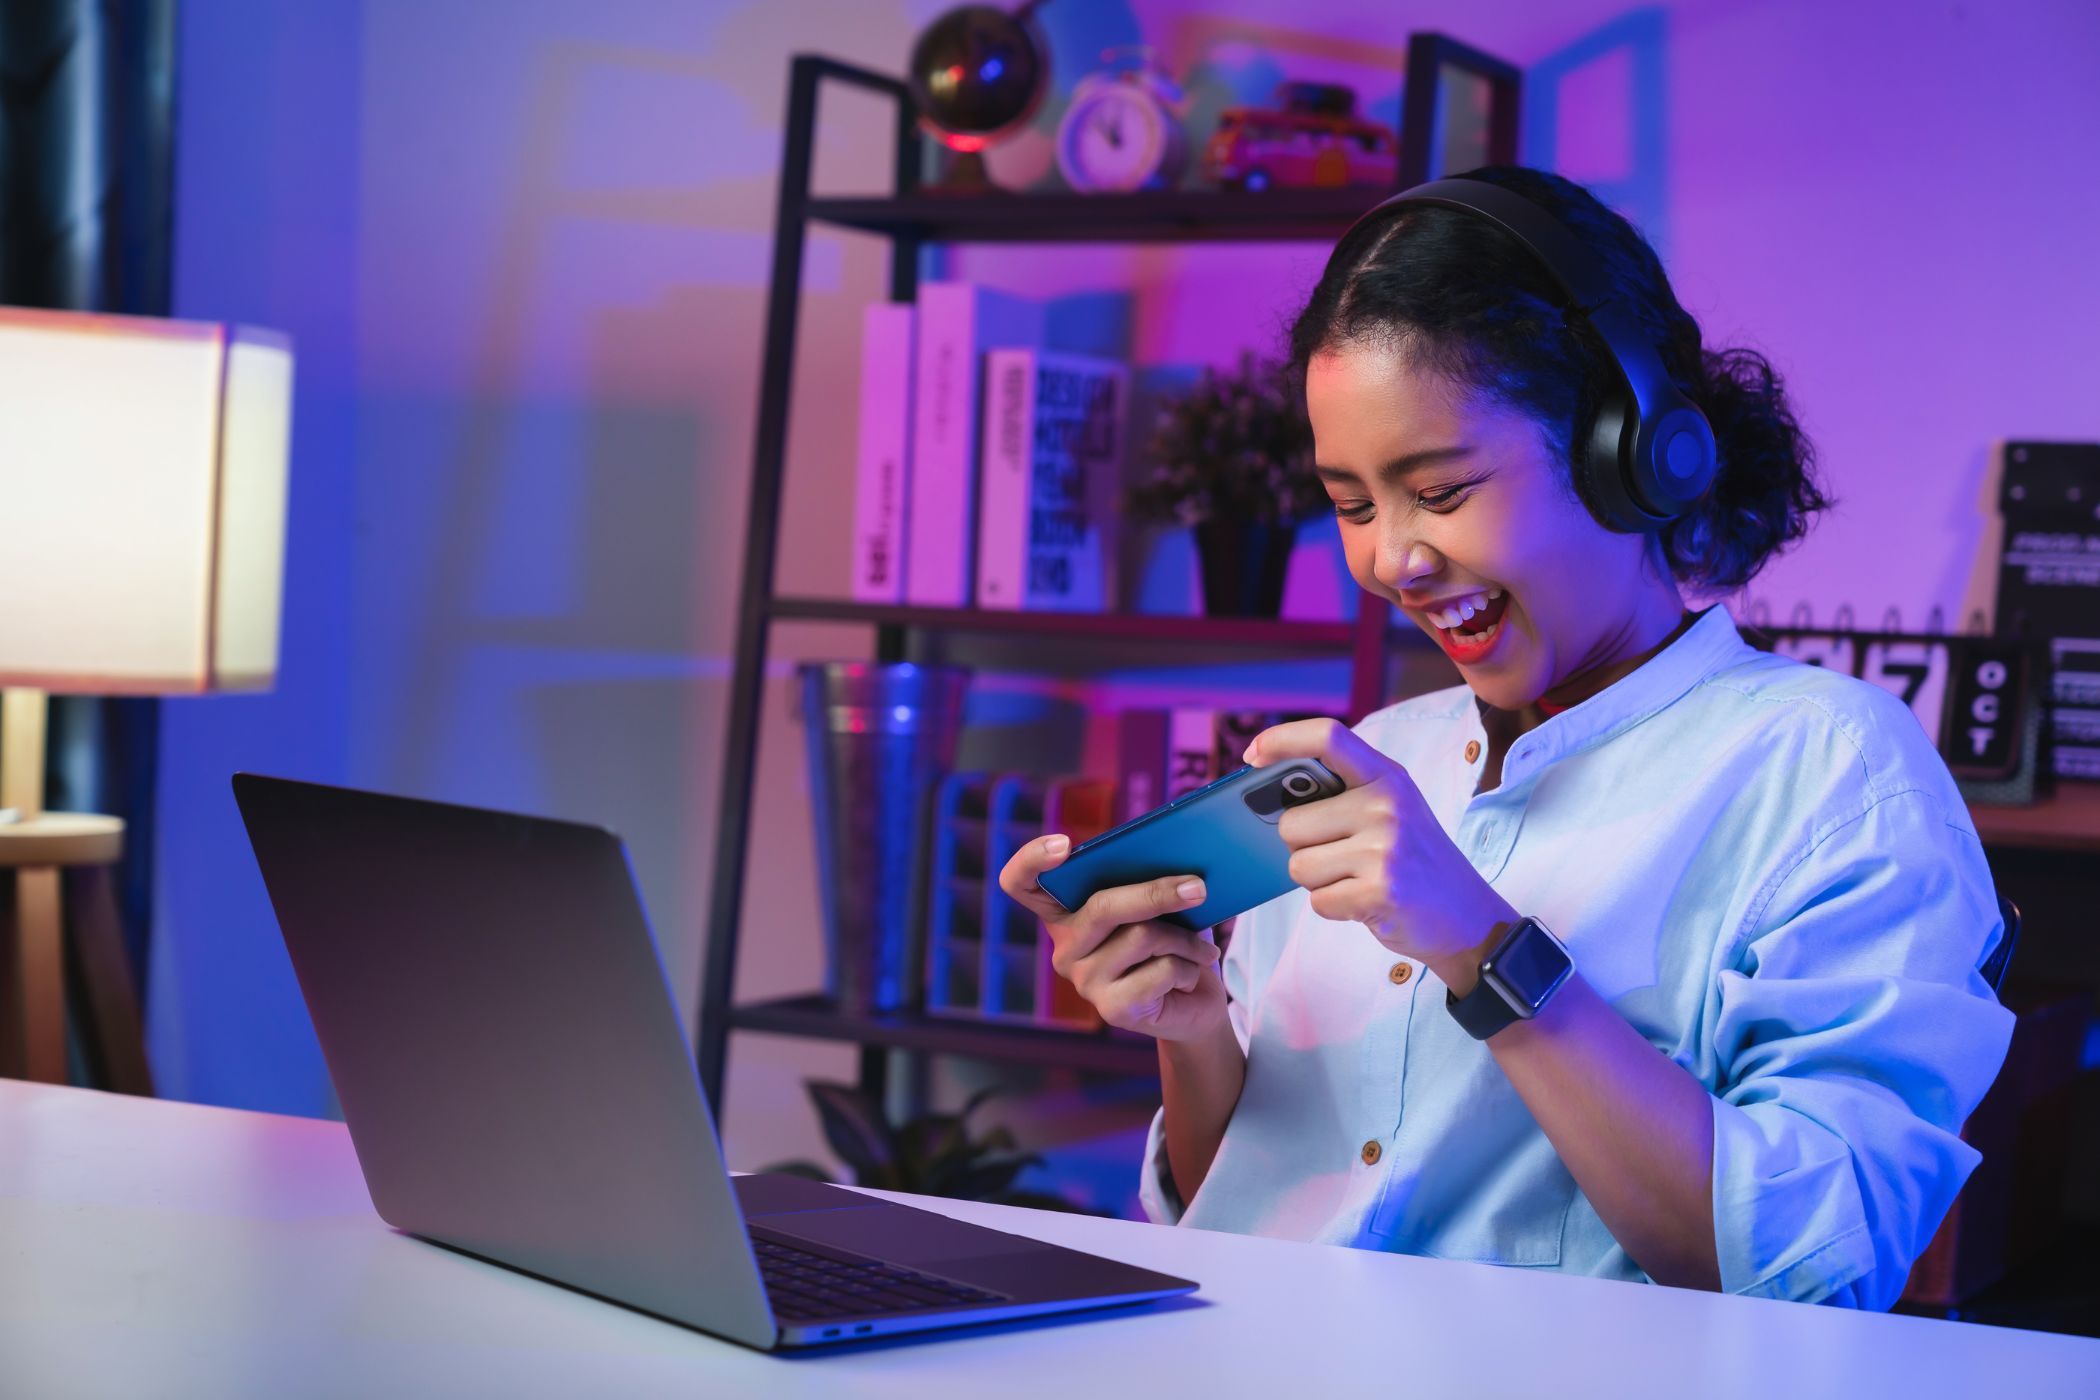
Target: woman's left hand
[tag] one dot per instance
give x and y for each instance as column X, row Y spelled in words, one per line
column 1376, row 855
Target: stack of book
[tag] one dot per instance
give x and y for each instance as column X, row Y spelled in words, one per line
column 987, row 955
column 989, row 463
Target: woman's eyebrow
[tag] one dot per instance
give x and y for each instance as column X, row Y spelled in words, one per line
column 1402, row 465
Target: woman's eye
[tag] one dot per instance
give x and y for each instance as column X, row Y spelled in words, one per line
column 1444, row 500
column 1355, row 512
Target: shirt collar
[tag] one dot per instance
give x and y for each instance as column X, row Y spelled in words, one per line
column 1709, row 644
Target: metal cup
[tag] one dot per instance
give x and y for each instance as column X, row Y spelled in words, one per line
column 880, row 736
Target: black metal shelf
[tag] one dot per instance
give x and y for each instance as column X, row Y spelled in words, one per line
column 1159, row 216
column 817, row 1018
column 911, row 218
column 1259, row 633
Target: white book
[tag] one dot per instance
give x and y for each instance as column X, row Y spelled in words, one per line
column 882, row 476
column 1051, row 455
column 1191, row 741
column 958, row 322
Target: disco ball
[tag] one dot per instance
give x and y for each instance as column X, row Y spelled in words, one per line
column 976, row 74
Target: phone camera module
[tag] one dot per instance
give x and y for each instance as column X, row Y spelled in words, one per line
column 1300, row 786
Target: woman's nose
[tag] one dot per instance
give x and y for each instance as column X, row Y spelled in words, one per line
column 1401, row 561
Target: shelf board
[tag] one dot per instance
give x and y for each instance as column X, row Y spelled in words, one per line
column 816, row 1018
column 1266, row 633
column 2066, row 820
column 1154, row 216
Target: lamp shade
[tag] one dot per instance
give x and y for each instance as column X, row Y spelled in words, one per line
column 143, row 475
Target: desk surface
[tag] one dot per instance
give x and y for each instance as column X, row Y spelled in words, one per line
column 172, row 1250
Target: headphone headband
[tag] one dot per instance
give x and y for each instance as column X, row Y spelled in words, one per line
column 1660, row 446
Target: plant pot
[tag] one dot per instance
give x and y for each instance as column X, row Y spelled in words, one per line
column 1243, row 564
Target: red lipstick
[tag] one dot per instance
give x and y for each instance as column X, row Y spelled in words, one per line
column 1483, row 634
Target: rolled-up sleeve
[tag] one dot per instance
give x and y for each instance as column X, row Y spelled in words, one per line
column 1852, row 1037
column 1241, row 969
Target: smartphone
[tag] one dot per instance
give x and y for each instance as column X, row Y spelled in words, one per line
column 1224, row 831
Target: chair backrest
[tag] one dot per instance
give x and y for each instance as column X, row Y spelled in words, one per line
column 1994, row 966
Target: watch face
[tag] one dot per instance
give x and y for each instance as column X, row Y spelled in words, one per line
column 1116, row 140
column 1529, row 967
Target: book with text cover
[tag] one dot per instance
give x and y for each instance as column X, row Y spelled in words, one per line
column 958, row 323
column 1049, row 465
column 1191, row 749
column 1163, row 753
column 882, row 478
column 1081, row 807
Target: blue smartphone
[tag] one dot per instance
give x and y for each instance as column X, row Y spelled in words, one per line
column 1224, row 831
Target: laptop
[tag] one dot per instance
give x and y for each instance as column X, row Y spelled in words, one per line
column 510, row 1065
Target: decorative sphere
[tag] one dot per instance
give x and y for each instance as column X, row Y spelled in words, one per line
column 976, row 73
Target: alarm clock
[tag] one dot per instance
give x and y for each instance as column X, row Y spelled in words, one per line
column 1122, row 130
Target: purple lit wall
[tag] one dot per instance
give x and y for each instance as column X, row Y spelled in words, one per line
column 523, row 248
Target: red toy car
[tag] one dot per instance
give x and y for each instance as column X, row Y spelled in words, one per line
column 1313, row 138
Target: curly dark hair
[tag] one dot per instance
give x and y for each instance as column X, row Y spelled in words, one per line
column 1464, row 299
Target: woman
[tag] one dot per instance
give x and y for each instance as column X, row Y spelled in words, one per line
column 1756, row 867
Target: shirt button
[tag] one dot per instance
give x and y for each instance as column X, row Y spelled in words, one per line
column 1371, row 1152
column 1472, row 750
column 1399, row 973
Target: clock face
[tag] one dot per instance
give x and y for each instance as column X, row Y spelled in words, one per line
column 1115, row 139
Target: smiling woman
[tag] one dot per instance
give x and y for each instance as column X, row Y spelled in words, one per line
column 1629, row 831
column 1456, row 398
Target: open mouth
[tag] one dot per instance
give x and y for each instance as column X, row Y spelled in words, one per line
column 1467, row 632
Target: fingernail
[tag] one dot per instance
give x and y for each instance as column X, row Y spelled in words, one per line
column 1189, row 889
column 1248, row 756
column 1056, row 845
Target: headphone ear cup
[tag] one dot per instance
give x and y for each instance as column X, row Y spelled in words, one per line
column 1603, row 468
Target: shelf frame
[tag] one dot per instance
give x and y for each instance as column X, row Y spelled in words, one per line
column 817, row 1018
column 911, row 218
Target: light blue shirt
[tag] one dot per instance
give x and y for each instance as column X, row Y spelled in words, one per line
column 1764, row 866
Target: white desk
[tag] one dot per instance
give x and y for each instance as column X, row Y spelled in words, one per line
column 163, row 1249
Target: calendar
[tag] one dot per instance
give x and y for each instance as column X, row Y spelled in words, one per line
column 1976, row 697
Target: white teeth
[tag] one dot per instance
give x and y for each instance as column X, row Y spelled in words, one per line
column 1461, row 613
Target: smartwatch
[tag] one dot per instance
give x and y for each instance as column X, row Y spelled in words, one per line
column 1522, row 973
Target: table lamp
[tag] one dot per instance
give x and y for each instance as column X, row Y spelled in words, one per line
column 143, row 472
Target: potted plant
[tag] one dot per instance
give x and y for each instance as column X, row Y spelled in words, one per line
column 1233, row 460
column 933, row 1154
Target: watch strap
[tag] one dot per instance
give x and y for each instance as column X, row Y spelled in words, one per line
column 1484, row 1010
column 1481, row 1011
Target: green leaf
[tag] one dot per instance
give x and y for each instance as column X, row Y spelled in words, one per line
column 809, row 1170
column 928, row 1141
column 853, row 1125
column 988, row 1179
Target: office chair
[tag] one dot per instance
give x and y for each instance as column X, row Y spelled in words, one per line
column 1994, row 966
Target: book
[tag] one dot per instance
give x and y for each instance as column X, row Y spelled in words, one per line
column 1161, row 753
column 1050, row 461
column 1007, row 984
column 2049, row 585
column 1191, row 749
column 958, row 322
column 955, row 893
column 1080, row 807
column 1141, row 762
column 882, row 474
column 1233, row 730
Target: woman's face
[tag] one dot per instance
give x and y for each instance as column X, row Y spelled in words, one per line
column 1447, row 500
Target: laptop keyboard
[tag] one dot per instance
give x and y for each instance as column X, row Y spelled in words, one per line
column 804, row 1285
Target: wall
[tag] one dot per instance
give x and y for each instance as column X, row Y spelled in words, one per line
column 524, row 249
column 265, row 233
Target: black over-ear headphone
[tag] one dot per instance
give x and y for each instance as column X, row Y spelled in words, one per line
column 1650, row 453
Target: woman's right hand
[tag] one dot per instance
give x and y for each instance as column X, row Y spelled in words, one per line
column 1141, row 974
